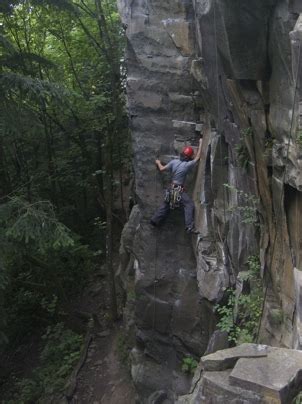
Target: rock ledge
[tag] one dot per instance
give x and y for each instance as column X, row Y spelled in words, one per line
column 249, row 373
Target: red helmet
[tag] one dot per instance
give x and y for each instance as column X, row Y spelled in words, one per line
column 188, row 151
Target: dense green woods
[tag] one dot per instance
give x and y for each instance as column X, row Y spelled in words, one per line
column 64, row 158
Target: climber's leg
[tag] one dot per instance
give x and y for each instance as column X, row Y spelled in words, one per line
column 189, row 208
column 161, row 214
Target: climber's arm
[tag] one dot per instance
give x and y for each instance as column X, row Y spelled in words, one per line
column 198, row 154
column 160, row 166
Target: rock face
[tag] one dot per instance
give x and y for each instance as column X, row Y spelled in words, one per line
column 248, row 374
column 231, row 69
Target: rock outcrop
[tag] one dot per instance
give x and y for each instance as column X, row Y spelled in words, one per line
column 232, row 70
column 248, row 374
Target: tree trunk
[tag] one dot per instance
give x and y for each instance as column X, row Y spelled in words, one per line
column 109, row 230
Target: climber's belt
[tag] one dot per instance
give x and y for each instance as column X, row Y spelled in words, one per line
column 173, row 195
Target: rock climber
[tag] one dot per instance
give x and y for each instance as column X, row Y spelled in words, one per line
column 176, row 195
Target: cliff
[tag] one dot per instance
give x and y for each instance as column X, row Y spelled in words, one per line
column 232, row 70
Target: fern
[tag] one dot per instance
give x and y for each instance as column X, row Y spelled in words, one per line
column 30, row 87
column 15, row 59
column 6, row 44
column 3, row 284
column 34, row 224
column 16, row 117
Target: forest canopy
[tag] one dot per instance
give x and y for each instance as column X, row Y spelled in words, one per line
column 64, row 155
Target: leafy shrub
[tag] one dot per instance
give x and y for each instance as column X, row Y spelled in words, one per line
column 189, row 365
column 247, row 206
column 60, row 353
column 41, row 260
column 123, row 349
column 227, row 317
column 240, row 316
column 34, row 224
column 243, row 155
column 299, row 137
column 298, row 399
column 241, row 149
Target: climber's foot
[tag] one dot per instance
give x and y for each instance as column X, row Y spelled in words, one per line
column 191, row 230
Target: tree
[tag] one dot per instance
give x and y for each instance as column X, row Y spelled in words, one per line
column 63, row 143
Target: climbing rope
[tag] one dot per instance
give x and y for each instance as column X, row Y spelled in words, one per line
column 155, row 267
column 282, row 190
column 155, row 280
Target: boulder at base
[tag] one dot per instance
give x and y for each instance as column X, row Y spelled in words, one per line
column 249, row 373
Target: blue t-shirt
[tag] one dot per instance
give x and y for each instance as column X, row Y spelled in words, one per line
column 180, row 170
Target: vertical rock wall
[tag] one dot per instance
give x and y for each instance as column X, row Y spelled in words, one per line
column 232, row 68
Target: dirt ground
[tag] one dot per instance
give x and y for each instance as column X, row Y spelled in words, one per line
column 104, row 379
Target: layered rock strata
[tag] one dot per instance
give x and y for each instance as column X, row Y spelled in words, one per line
column 231, row 69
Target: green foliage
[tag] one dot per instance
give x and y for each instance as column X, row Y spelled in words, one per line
column 298, row 399
column 131, row 295
column 243, row 155
column 242, row 151
column 122, row 346
column 62, row 119
column 34, row 224
column 28, row 87
column 276, row 317
column 227, row 317
column 269, row 141
column 60, row 353
column 62, row 114
column 40, row 264
column 3, row 285
column 246, row 207
column 189, row 365
column 299, row 137
column 241, row 314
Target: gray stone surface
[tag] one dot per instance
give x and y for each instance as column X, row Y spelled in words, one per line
column 215, row 388
column 218, row 341
column 298, row 328
column 277, row 376
column 295, row 6
column 242, row 31
column 163, row 115
column 226, row 358
column 177, row 79
column 271, row 379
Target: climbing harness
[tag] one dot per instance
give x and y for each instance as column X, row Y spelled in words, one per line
column 173, row 196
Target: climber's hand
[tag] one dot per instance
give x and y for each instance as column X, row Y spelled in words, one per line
column 160, row 166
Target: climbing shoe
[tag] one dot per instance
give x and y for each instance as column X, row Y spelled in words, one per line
column 191, row 230
column 153, row 223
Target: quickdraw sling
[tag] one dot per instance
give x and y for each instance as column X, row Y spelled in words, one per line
column 173, row 196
